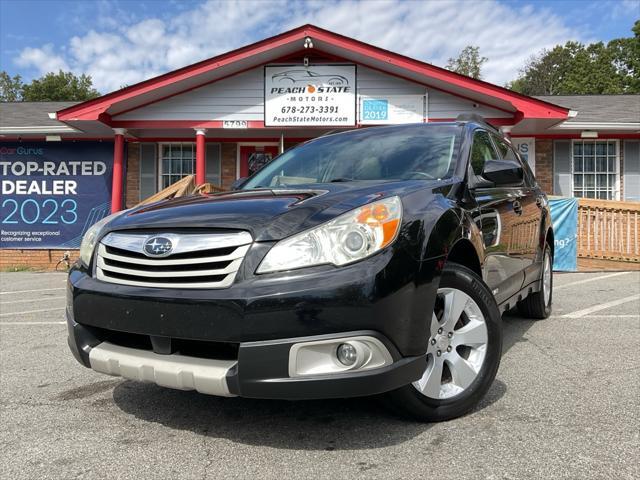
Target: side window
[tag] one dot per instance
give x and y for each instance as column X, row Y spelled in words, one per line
column 505, row 149
column 481, row 151
column 502, row 147
column 509, row 153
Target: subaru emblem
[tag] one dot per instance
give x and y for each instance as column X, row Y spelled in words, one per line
column 158, row 247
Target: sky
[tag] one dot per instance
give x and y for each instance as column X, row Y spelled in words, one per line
column 121, row 42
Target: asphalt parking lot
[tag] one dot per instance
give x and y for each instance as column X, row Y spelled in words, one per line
column 565, row 404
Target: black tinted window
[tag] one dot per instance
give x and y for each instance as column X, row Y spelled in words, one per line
column 481, row 151
column 509, row 153
column 506, row 150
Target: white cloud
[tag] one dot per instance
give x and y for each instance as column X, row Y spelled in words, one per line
column 44, row 56
column 148, row 32
column 624, row 9
column 436, row 30
column 125, row 53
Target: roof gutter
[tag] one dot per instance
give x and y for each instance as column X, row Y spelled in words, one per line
column 634, row 126
column 42, row 130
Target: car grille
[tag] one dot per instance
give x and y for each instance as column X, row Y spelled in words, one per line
column 196, row 260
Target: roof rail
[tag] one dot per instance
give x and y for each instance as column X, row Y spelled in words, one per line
column 474, row 117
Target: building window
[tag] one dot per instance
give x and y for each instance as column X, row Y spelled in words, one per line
column 177, row 160
column 595, row 169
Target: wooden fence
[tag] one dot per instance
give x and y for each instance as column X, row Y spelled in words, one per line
column 609, row 229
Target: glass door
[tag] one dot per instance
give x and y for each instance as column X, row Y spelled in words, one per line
column 252, row 158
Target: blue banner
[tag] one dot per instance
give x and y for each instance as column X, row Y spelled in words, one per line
column 564, row 215
column 375, row 110
column 53, row 192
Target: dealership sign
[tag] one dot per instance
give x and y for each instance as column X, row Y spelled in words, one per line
column 318, row 95
column 392, row 109
column 53, row 192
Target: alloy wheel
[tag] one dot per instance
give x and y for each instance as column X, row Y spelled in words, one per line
column 457, row 345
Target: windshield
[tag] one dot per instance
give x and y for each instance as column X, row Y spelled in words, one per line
column 388, row 153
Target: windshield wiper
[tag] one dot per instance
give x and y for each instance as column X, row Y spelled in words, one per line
column 341, row 179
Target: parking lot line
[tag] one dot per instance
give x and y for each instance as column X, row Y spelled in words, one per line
column 592, row 279
column 31, row 311
column 30, row 291
column 32, row 300
column 596, row 308
column 595, row 317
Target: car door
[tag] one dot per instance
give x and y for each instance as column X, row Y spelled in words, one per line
column 525, row 235
column 498, row 214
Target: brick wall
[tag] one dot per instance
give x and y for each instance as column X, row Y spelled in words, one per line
column 11, row 259
column 132, row 182
column 544, row 165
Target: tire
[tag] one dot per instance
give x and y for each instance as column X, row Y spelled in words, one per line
column 450, row 391
column 537, row 306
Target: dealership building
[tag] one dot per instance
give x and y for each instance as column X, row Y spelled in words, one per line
column 65, row 165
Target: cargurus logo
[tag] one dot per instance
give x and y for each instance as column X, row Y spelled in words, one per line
column 21, row 151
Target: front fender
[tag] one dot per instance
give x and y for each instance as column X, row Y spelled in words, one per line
column 430, row 235
column 453, row 226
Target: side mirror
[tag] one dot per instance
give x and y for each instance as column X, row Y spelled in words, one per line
column 238, row 183
column 503, row 172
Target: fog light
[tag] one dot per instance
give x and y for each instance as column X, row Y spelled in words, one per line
column 347, row 354
column 338, row 355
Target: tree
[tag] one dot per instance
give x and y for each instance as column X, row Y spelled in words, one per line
column 10, row 87
column 59, row 86
column 577, row 69
column 625, row 53
column 468, row 63
column 545, row 72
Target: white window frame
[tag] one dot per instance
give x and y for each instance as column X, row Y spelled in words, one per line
column 160, row 166
column 616, row 192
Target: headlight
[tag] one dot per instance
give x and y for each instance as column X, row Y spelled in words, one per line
column 348, row 238
column 91, row 237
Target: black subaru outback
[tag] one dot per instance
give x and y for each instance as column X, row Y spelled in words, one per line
column 372, row 261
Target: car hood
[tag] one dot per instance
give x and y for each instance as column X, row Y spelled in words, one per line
column 268, row 214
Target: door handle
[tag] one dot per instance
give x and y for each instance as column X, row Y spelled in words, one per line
column 517, row 207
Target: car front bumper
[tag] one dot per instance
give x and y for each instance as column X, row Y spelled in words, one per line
column 260, row 330
column 260, row 371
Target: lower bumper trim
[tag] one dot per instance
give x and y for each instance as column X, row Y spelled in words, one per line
column 204, row 375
